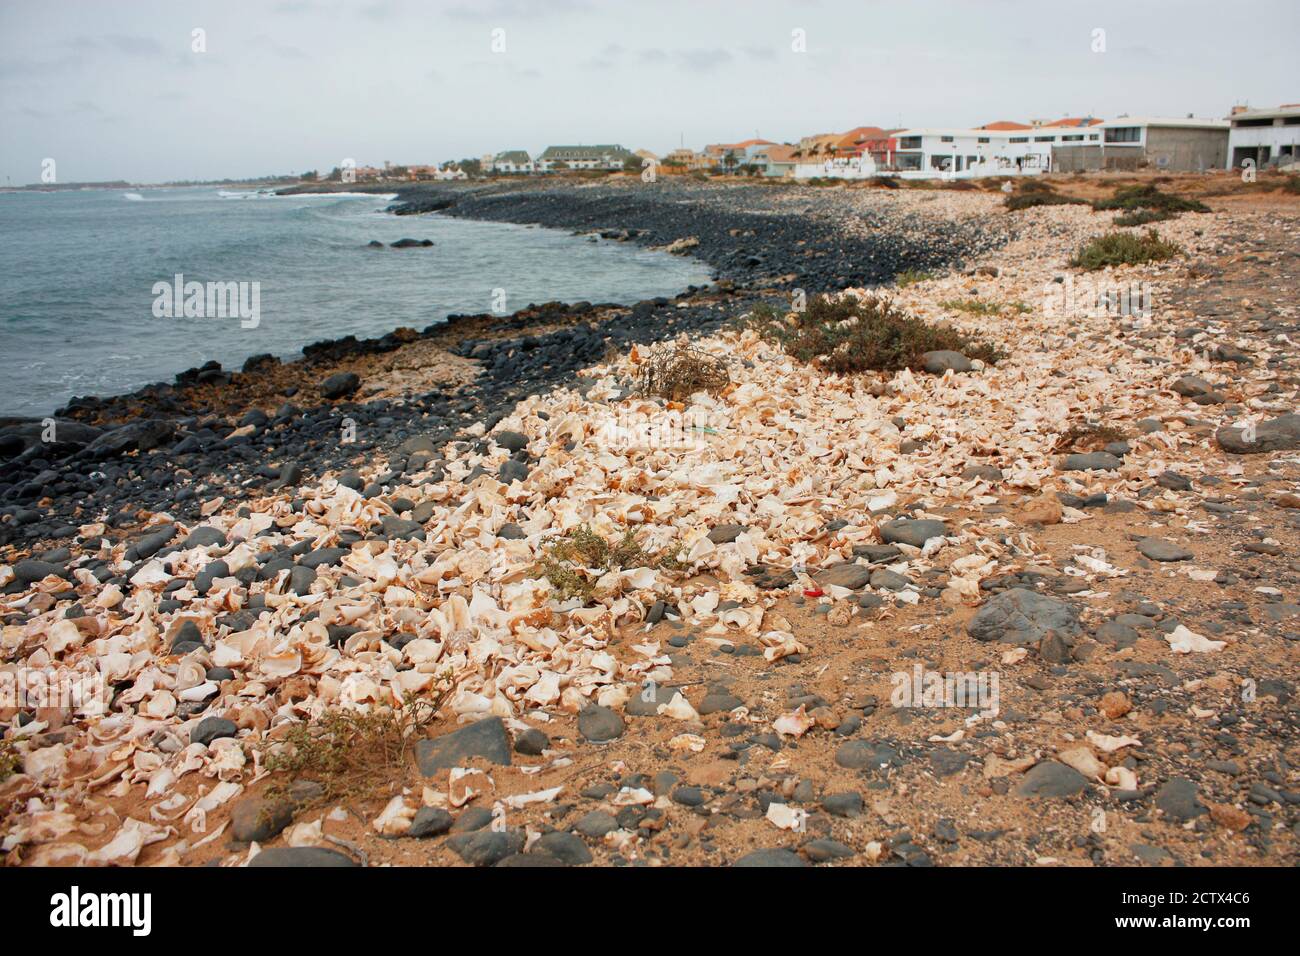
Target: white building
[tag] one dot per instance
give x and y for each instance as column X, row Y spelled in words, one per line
column 840, row 167
column 511, row 162
column 1172, row 143
column 958, row 153
column 1269, row 137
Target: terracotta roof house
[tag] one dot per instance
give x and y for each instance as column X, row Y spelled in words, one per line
column 778, row 161
column 1005, row 126
column 875, row 142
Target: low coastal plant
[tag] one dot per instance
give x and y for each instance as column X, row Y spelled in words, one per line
column 348, row 753
column 980, row 307
column 846, row 334
column 676, row 372
column 1147, row 196
column 1124, row 248
column 8, row 760
column 575, row 561
column 1143, row 217
column 911, row 277
column 1034, row 192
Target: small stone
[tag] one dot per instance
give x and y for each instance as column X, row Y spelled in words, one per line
column 915, row 532
column 310, row 857
column 255, row 819
column 212, row 728
column 726, row 533
column 599, row 724
column 1091, row 461
column 775, row 857
column 843, row 804
column 486, row 738
column 339, row 385
column 851, row 576
column 1160, row 549
column 565, row 847
column 940, row 361
column 486, row 847
column 1115, row 704
column 1178, row 800
column 1051, row 779
column 531, row 742
column 823, row 851
column 430, row 822
column 596, row 824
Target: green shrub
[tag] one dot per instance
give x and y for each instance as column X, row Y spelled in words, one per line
column 1143, row 217
column 1124, row 248
column 979, row 307
column 911, row 277
column 847, row 335
column 1035, row 192
column 575, row 561
column 1147, row 196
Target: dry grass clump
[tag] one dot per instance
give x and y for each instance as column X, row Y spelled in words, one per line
column 353, row 754
column 575, row 561
column 981, row 307
column 1124, row 248
column 1145, row 196
column 911, row 277
column 676, row 372
column 8, row 760
column 1085, row 437
column 846, row 335
column 1034, row 192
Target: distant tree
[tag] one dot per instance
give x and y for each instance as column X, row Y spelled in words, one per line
column 472, row 167
column 309, row 174
column 632, row 164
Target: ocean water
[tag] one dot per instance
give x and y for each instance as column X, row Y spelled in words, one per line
column 78, row 272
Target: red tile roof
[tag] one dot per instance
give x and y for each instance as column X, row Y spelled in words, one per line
column 1076, row 121
column 1005, row 125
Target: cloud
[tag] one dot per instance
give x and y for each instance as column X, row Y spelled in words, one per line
column 702, row 61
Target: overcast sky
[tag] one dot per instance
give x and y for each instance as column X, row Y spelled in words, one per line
column 114, row 90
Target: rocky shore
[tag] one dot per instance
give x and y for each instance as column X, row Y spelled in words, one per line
column 270, row 423
column 1039, row 611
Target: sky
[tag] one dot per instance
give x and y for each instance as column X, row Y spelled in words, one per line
column 120, row 90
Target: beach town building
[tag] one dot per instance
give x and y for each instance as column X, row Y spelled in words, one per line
column 1175, row 144
column 685, row 159
column 555, row 158
column 960, row 153
column 510, row 162
column 776, row 161
column 1269, row 137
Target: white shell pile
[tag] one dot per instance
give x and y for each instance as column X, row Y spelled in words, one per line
column 785, row 451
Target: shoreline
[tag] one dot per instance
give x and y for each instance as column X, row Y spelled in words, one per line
column 755, row 241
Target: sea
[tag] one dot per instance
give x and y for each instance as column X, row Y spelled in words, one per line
column 97, row 286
